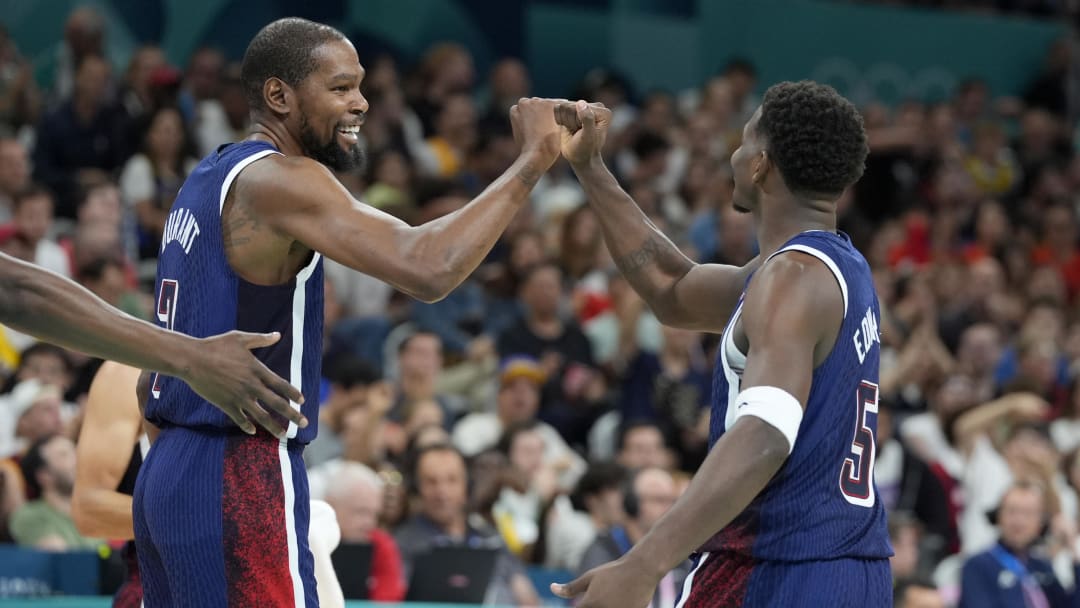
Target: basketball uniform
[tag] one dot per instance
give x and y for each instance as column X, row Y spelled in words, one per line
column 221, row 517
column 816, row 535
column 130, row 595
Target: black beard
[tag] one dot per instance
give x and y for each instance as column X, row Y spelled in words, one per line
column 330, row 153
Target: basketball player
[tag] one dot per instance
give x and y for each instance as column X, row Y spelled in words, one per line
column 111, row 446
column 783, row 511
column 52, row 308
column 242, row 249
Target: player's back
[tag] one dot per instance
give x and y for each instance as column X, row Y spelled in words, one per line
column 198, row 293
column 822, row 503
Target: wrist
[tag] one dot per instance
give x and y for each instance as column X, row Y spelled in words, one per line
column 593, row 164
column 644, row 562
column 182, row 359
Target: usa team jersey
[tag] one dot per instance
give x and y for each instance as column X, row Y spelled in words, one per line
column 199, row 294
column 822, row 504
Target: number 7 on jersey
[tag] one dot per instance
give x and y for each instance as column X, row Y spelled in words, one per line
column 166, row 314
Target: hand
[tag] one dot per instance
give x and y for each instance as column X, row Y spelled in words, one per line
column 618, row 584
column 584, row 129
column 533, row 122
column 1029, row 406
column 224, row 373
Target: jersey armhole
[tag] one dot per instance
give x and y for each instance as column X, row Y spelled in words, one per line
column 829, row 263
column 235, row 171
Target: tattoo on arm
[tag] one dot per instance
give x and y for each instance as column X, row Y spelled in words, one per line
column 641, row 257
column 240, row 226
column 528, row 175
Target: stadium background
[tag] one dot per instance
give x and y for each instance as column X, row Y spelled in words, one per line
column 974, row 164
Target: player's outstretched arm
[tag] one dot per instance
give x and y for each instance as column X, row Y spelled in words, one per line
column 109, row 432
column 302, row 200
column 52, row 308
column 679, row 292
column 784, row 318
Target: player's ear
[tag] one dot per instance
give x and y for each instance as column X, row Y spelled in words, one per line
column 277, row 95
column 762, row 164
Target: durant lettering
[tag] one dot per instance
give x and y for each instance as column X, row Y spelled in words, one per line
column 180, row 227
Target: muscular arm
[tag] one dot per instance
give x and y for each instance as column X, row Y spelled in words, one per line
column 109, row 432
column 679, row 292
column 304, row 201
column 793, row 309
column 52, row 308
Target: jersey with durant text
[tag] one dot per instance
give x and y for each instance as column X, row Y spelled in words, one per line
column 199, row 294
column 822, row 503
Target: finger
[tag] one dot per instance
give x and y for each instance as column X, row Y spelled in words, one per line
column 566, row 116
column 279, row 385
column 587, row 116
column 263, row 418
column 273, row 401
column 252, row 341
column 572, row 589
column 242, row 421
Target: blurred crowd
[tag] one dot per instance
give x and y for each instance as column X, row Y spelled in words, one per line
column 541, row 408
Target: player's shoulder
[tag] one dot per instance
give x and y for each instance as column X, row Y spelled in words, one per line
column 793, row 284
column 285, row 177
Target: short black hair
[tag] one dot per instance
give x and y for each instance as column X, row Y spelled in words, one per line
column 633, row 425
column 815, row 137
column 347, row 370
column 599, row 477
column 94, row 269
column 32, row 191
column 284, row 49
column 506, row 441
column 32, row 462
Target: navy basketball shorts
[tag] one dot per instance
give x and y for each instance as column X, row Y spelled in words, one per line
column 730, row 580
column 221, row 519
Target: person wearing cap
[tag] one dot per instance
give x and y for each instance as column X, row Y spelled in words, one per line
column 33, row 410
column 517, row 401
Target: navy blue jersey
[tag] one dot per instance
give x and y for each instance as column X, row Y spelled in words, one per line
column 199, row 294
column 822, row 503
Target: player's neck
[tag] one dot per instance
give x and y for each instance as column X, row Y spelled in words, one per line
column 780, row 220
column 275, row 132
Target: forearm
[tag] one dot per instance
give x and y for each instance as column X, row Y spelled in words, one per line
column 100, row 513
column 651, row 263
column 54, row 309
column 735, row 471
column 458, row 242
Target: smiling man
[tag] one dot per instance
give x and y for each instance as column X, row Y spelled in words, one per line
column 221, row 517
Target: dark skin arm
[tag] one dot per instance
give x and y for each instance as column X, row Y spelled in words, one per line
column 680, row 292
column 791, row 316
column 305, row 206
column 220, row 369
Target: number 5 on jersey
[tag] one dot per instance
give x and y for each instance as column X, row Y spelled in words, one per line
column 857, row 472
column 166, row 314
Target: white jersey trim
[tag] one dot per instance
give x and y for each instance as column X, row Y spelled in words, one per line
column 299, row 312
column 237, row 168
column 825, row 259
column 688, row 584
column 299, row 594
